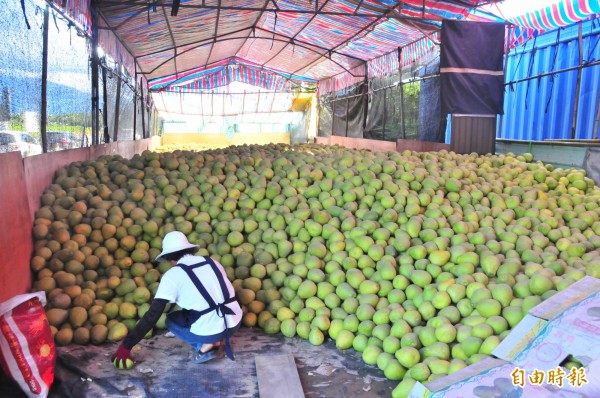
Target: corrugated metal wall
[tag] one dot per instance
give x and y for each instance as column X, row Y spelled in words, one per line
column 542, row 108
column 473, row 134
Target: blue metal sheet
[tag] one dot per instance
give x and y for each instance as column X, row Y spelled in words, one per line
column 542, row 108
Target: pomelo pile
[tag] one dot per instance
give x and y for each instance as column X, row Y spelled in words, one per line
column 422, row 262
column 194, row 146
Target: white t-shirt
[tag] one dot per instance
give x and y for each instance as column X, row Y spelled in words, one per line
column 177, row 287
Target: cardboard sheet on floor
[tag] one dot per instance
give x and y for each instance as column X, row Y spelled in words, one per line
column 271, row 370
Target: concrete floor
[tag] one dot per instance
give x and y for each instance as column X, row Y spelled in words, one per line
column 163, row 369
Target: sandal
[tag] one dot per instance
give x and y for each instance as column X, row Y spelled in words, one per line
column 202, row 357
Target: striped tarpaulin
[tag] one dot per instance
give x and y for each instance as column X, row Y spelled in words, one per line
column 109, row 42
column 341, row 81
column 222, row 75
column 78, row 10
column 384, row 65
column 389, row 63
column 380, row 66
column 221, row 102
column 552, row 17
column 530, row 25
column 418, row 49
column 294, row 39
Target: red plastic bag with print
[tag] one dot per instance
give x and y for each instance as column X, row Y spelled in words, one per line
column 26, row 343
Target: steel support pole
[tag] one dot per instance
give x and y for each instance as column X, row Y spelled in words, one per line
column 117, row 110
column 143, row 104
column 333, row 118
column 105, row 107
column 508, row 37
column 347, row 111
column 384, row 114
column 95, row 89
column 44, row 110
column 135, row 106
column 596, row 119
column 577, row 84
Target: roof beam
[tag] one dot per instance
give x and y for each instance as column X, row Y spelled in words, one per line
column 129, row 18
column 258, row 38
column 254, row 25
column 209, row 65
column 311, row 44
column 415, row 25
column 358, row 6
column 172, row 40
column 215, row 34
column 191, row 43
column 224, row 59
column 108, row 3
column 398, row 15
column 385, row 14
column 296, row 34
column 357, row 34
column 202, row 43
column 122, row 43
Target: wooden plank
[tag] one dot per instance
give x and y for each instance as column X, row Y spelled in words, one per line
column 278, row 377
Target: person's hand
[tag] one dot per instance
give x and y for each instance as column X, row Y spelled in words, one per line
column 122, row 359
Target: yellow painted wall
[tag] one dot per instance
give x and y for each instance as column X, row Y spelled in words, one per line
column 221, row 139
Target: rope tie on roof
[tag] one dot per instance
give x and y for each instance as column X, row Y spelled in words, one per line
column 25, row 14
column 55, row 23
column 274, row 30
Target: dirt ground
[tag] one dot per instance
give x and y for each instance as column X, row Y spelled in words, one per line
column 163, row 369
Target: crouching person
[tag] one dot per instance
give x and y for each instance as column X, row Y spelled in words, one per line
column 200, row 286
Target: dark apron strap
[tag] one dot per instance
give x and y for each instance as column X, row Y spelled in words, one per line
column 222, row 308
column 189, row 269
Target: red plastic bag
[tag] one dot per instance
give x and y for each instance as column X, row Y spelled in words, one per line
column 26, row 343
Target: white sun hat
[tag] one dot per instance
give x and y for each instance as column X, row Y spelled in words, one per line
column 173, row 242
